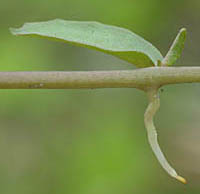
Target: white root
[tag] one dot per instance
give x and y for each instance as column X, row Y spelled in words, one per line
column 154, row 104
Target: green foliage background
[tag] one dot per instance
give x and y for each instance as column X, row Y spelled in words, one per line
column 94, row 141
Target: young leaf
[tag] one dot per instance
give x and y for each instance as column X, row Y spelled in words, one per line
column 116, row 41
column 176, row 49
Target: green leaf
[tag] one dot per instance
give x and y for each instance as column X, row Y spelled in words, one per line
column 176, row 49
column 116, row 41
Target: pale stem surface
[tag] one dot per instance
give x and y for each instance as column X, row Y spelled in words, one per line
column 141, row 78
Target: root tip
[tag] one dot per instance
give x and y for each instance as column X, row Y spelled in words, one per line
column 181, row 179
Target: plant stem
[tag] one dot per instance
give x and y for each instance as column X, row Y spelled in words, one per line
column 141, row 78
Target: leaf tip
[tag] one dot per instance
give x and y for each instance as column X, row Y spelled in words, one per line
column 183, row 32
column 13, row 31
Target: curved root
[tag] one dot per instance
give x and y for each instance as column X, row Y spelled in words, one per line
column 154, row 104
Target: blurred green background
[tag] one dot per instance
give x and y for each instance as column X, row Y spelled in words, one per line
column 94, row 141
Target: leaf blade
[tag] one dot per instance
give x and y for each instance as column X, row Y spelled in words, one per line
column 113, row 40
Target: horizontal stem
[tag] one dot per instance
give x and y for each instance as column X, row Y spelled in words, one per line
column 141, row 78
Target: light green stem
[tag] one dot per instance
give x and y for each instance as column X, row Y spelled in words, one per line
column 154, row 104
